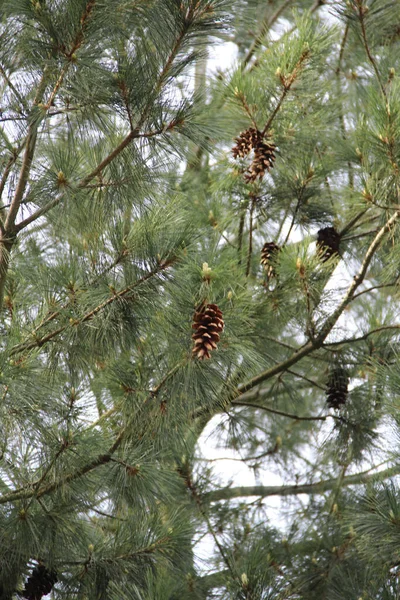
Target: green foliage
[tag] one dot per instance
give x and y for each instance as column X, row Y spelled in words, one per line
column 123, row 212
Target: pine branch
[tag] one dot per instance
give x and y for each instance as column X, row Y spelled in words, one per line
column 317, row 4
column 330, row 322
column 186, row 476
column 282, row 413
column 363, row 337
column 287, row 83
column 362, row 9
column 7, row 238
column 319, row 487
column 133, row 134
column 39, row 342
column 376, row 287
column 14, row 89
column 265, row 26
column 6, row 173
column 33, row 490
column 339, row 86
column 250, row 249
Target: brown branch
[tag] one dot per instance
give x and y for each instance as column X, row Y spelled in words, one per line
column 359, row 278
column 287, row 83
column 250, row 249
column 375, row 287
column 282, row 413
column 319, row 487
column 363, row 337
column 8, row 167
column 360, row 235
column 8, row 236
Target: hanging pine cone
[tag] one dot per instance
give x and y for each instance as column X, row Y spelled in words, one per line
column 328, row 242
column 245, row 142
column 208, row 323
column 337, row 387
column 40, row 583
column 264, row 158
column 268, row 253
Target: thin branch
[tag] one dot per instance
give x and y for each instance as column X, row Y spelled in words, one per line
column 339, row 87
column 317, row 4
column 359, row 278
column 360, row 235
column 16, row 152
column 352, row 222
column 250, row 249
column 9, row 235
column 287, row 83
column 14, row 89
column 100, row 460
column 37, row 214
column 283, row 413
column 265, row 26
column 375, row 287
column 363, row 337
column 240, row 234
column 361, row 15
column 197, row 498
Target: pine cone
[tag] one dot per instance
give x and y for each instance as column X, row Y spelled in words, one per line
column 208, row 323
column 269, row 252
column 40, row 583
column 264, row 158
column 337, row 387
column 245, row 142
column 328, row 242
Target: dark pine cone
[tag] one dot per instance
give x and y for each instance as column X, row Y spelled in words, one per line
column 208, row 324
column 245, row 142
column 40, row 583
column 337, row 387
column 328, row 242
column 268, row 253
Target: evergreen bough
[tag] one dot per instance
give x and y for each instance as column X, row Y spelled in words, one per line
column 123, row 211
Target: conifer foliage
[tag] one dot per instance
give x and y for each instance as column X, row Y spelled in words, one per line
column 125, row 412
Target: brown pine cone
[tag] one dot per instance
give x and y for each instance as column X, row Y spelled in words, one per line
column 264, row 158
column 268, row 252
column 245, row 142
column 208, row 324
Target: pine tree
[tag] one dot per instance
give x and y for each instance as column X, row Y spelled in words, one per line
column 139, row 189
